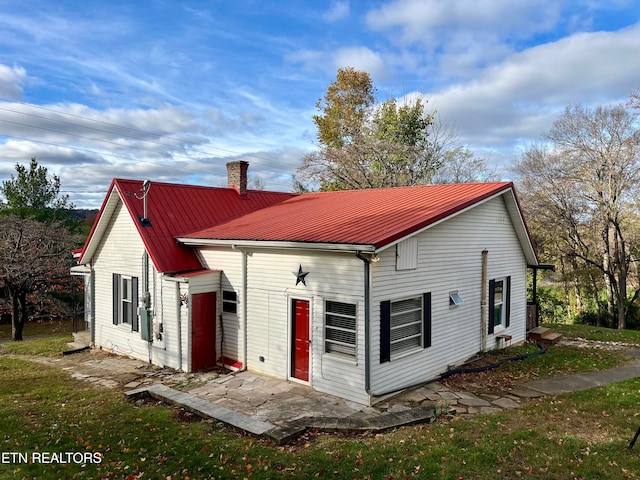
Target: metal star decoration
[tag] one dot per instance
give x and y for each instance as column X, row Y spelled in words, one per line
column 300, row 276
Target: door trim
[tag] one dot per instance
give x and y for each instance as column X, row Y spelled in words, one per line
column 290, row 339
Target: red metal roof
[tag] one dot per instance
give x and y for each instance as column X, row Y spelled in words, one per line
column 363, row 217
column 174, row 210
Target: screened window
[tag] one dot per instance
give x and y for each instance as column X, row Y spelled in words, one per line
column 229, row 301
column 340, row 328
column 406, row 325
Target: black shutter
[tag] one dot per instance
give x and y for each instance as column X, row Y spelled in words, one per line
column 116, row 298
column 385, row 331
column 134, row 304
column 492, row 301
column 507, row 303
column 426, row 319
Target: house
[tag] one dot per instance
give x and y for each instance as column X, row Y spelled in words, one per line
column 358, row 294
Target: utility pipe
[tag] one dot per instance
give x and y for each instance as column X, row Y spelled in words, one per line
column 483, row 300
column 367, row 319
column 179, row 318
column 245, row 354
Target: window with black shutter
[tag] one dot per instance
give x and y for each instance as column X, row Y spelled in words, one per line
column 405, row 326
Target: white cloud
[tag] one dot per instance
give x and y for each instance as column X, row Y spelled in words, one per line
column 361, row 58
column 339, row 10
column 517, row 100
column 12, row 80
column 429, row 21
column 87, row 148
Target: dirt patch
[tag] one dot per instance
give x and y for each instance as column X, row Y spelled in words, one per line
column 494, row 378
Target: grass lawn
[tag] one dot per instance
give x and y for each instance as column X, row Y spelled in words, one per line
column 43, row 410
column 38, row 328
column 45, row 346
column 589, row 332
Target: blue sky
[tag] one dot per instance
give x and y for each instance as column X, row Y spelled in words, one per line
column 171, row 91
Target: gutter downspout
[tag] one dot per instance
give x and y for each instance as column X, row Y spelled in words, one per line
column 146, row 300
column 179, row 318
column 367, row 320
column 483, row 301
column 244, row 306
column 92, row 308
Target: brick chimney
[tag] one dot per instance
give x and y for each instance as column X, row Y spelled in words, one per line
column 237, row 176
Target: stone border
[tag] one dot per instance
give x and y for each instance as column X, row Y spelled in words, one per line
column 279, row 434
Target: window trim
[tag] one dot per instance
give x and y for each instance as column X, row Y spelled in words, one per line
column 126, row 303
column 326, row 326
column 119, row 303
column 505, row 317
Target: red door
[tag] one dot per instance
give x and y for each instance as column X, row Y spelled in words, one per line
column 203, row 330
column 300, row 336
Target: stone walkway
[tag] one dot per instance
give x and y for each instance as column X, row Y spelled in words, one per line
column 282, row 410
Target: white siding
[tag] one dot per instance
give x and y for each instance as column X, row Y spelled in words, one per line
column 173, row 315
column 120, row 251
column 230, row 333
column 272, row 286
column 450, row 259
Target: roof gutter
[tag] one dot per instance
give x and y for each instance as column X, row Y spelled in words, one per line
column 255, row 244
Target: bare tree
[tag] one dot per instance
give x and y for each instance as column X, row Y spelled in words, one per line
column 461, row 166
column 582, row 185
column 32, row 255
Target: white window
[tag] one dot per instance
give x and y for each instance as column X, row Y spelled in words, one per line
column 125, row 300
column 340, row 328
column 498, row 303
column 406, row 325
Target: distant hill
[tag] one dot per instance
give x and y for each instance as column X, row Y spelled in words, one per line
column 87, row 216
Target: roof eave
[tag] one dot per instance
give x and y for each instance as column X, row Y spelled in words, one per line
column 99, row 225
column 515, row 213
column 278, row 244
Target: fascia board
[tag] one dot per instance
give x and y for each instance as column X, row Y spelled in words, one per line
column 103, row 221
column 255, row 244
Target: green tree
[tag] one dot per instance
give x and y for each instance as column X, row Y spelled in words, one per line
column 344, row 108
column 36, row 240
column 367, row 145
column 31, row 193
